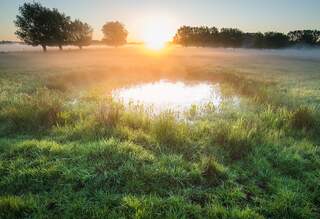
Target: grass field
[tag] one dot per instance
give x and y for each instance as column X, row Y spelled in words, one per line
column 67, row 150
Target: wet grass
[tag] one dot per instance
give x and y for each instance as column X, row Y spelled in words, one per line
column 68, row 151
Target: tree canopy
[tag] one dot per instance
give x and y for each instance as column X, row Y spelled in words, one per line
column 33, row 25
column 309, row 37
column 81, row 34
column 234, row 38
column 38, row 25
column 115, row 33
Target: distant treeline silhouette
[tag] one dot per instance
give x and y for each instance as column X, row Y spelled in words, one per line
column 41, row 26
column 204, row 36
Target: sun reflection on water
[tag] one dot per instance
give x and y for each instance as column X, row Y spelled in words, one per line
column 165, row 95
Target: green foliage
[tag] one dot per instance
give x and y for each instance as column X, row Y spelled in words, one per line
column 80, row 34
column 234, row 38
column 109, row 114
column 303, row 118
column 38, row 25
column 15, row 207
column 236, row 138
column 213, row 172
column 308, row 37
column 276, row 40
column 115, row 34
column 170, row 133
column 71, row 152
column 31, row 112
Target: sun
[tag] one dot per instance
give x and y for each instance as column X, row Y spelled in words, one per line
column 155, row 44
column 157, row 32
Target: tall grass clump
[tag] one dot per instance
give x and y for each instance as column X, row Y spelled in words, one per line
column 108, row 113
column 171, row 134
column 260, row 91
column 303, row 118
column 137, row 117
column 237, row 138
column 213, row 172
column 15, row 207
column 31, row 112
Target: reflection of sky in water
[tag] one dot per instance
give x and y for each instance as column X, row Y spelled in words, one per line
column 163, row 95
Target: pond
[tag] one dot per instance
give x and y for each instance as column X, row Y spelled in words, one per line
column 164, row 95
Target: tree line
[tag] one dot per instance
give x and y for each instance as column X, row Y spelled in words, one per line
column 41, row 26
column 232, row 37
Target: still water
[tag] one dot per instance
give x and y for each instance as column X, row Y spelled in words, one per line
column 170, row 95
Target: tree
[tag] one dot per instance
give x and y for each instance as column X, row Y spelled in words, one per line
column 276, row 40
column 231, row 37
column 184, row 36
column 33, row 25
column 259, row 40
column 196, row 36
column 60, row 27
column 115, row 33
column 309, row 37
column 38, row 25
column 80, row 34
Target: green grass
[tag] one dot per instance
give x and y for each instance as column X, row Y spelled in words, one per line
column 68, row 151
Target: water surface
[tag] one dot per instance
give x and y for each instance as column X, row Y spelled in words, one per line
column 170, row 95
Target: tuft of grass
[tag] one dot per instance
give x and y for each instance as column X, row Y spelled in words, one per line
column 169, row 132
column 236, row 138
column 30, row 113
column 15, row 207
column 213, row 172
column 109, row 113
column 218, row 211
column 303, row 118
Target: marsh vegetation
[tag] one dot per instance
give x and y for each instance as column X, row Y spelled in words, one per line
column 68, row 149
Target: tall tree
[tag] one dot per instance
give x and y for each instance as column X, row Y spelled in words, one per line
column 80, row 34
column 309, row 37
column 38, row 25
column 33, row 25
column 231, row 37
column 115, row 34
column 184, row 36
column 276, row 40
column 60, row 28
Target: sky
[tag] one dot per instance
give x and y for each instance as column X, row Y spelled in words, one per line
column 138, row 15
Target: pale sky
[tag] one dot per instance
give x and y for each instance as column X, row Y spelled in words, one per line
column 248, row 15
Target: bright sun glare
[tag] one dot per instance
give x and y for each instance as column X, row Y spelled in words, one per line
column 157, row 32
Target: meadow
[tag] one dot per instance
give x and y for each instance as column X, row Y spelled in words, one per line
column 68, row 150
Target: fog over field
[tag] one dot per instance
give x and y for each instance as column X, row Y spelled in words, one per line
column 160, row 109
column 248, row 134
column 304, row 52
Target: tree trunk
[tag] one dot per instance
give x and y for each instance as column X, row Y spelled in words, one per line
column 44, row 48
column 60, row 47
